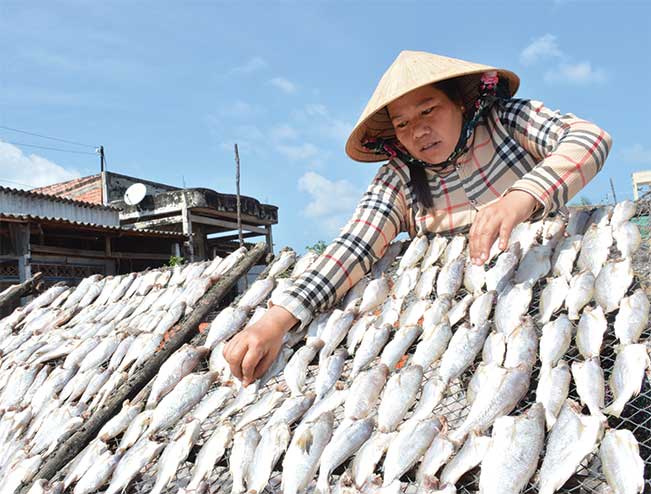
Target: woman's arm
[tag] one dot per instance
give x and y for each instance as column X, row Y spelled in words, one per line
column 380, row 215
column 570, row 152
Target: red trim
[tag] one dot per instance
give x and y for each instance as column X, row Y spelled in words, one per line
column 483, row 176
column 447, row 201
column 388, row 184
column 577, row 166
column 478, row 146
column 338, row 263
column 375, row 227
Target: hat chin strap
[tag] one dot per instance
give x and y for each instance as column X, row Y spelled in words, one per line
column 492, row 89
column 394, row 149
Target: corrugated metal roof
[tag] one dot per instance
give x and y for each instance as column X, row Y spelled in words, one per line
column 40, row 195
column 90, row 226
column 17, row 202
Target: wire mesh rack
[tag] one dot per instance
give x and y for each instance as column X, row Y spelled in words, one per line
column 588, row 479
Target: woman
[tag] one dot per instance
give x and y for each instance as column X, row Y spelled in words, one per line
column 463, row 153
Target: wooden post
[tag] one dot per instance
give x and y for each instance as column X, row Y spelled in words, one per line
column 237, row 186
column 11, row 295
column 185, row 331
column 187, row 228
column 20, row 236
column 612, row 187
column 270, row 240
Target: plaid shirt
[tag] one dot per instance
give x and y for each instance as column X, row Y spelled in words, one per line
column 520, row 145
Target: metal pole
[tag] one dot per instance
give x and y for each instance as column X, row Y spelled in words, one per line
column 612, row 187
column 237, row 185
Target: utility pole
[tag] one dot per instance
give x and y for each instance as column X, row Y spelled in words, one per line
column 237, row 185
column 102, row 159
column 612, row 187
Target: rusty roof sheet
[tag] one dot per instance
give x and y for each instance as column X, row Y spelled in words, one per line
column 40, row 195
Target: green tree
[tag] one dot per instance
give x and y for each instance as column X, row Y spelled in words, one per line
column 318, row 247
column 175, row 261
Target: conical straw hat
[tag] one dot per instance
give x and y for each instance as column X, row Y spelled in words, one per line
column 409, row 71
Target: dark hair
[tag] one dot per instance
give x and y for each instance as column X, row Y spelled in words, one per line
column 450, row 88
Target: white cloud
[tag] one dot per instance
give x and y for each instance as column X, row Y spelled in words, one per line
column 564, row 68
column 637, row 155
column 539, row 49
column 249, row 139
column 331, row 202
column 298, row 152
column 252, row 65
column 283, row 132
column 316, row 109
column 576, row 73
column 240, row 109
column 283, row 84
column 318, row 117
column 23, row 171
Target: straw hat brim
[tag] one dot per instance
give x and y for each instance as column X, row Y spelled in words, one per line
column 412, row 70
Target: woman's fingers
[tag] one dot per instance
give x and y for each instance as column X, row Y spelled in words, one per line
column 234, row 355
column 475, row 232
column 505, row 233
column 263, row 365
column 254, row 355
column 483, row 233
column 486, row 238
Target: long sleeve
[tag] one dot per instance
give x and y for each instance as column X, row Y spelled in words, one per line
column 570, row 151
column 380, row 215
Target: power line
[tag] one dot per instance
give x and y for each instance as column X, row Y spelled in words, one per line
column 47, row 137
column 16, row 183
column 50, row 148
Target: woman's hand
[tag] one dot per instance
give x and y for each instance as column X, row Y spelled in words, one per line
column 499, row 219
column 252, row 351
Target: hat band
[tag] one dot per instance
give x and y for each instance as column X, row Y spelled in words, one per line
column 492, row 89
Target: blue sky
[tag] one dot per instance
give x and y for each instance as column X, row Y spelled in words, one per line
column 168, row 87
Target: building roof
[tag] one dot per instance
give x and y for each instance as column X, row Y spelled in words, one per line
column 85, row 226
column 39, row 195
column 216, row 203
column 25, row 202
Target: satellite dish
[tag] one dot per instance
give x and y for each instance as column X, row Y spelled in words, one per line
column 135, row 193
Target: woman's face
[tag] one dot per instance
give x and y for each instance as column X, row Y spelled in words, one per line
column 427, row 123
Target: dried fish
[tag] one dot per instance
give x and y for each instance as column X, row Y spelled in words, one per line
column 553, row 388
column 295, row 371
column 513, row 453
column 621, row 462
column 571, row 439
column 411, row 443
column 304, row 453
column 414, row 253
column 590, row 332
column 612, row 284
column 627, row 375
column 579, row 294
column 393, row 250
column 632, row 317
column 346, row 440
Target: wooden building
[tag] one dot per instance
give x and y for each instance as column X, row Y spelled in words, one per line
column 69, row 239
column 207, row 218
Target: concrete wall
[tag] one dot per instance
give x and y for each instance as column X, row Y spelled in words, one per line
column 117, row 184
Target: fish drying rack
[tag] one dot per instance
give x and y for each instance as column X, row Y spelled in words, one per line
column 588, row 479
